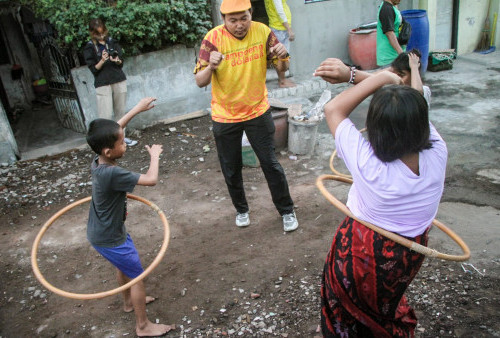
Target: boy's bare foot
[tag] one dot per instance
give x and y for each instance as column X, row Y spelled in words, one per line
column 154, row 330
column 130, row 308
column 287, row 83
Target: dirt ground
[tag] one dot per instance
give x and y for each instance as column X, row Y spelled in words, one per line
column 216, row 279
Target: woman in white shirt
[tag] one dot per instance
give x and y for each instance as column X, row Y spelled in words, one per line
column 398, row 179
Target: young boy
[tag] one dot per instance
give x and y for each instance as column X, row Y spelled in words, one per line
column 108, row 209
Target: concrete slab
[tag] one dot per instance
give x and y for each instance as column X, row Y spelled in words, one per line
column 39, row 133
column 475, row 225
column 59, row 148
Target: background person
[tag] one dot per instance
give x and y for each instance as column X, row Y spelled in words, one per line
column 388, row 21
column 280, row 22
column 233, row 58
column 398, row 180
column 103, row 56
column 407, row 65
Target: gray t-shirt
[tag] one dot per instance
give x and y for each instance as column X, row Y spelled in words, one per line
column 108, row 208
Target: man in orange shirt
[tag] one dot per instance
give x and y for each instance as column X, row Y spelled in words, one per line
column 233, row 58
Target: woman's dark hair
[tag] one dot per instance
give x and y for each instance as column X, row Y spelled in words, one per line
column 398, row 122
column 94, row 25
column 103, row 133
column 402, row 61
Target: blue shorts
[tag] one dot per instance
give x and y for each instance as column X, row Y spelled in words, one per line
column 283, row 37
column 125, row 257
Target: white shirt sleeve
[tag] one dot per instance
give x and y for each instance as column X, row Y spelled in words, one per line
column 279, row 8
column 438, row 144
column 427, row 95
column 351, row 146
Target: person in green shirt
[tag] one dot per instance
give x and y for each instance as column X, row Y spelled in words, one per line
column 388, row 23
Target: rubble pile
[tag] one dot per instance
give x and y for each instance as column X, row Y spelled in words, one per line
column 66, row 178
column 45, row 182
column 284, row 308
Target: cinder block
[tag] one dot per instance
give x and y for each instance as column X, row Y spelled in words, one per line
column 308, row 86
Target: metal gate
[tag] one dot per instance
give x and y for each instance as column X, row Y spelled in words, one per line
column 56, row 64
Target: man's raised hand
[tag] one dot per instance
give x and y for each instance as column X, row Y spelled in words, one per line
column 215, row 59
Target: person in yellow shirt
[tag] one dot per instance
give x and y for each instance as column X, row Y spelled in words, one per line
column 233, row 58
column 280, row 22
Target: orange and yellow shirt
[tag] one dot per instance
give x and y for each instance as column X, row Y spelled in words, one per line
column 239, row 90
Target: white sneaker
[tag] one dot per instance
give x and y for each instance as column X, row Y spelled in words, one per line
column 130, row 142
column 290, row 222
column 242, row 220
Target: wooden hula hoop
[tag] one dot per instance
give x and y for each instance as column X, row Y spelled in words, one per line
column 392, row 236
column 86, row 296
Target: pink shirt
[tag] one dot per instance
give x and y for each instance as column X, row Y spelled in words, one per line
column 390, row 195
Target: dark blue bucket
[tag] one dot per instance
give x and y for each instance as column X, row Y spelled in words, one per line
column 419, row 33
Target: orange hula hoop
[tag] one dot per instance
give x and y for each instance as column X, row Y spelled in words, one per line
column 391, row 235
column 86, row 296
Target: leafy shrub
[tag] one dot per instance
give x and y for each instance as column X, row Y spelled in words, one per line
column 139, row 26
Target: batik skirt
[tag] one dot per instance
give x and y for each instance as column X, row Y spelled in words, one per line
column 364, row 280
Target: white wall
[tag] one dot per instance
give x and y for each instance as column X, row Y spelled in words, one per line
column 322, row 29
column 8, row 145
column 471, row 16
column 444, row 24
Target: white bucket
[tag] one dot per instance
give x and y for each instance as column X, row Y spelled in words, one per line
column 302, row 136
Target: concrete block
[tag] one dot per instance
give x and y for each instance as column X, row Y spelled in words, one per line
column 7, row 154
column 308, row 86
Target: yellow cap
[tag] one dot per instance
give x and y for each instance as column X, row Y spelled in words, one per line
column 234, row 6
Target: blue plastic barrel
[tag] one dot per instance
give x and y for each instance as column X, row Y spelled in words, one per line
column 419, row 38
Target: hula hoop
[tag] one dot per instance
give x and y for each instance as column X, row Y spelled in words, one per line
column 86, row 296
column 392, row 236
column 332, row 168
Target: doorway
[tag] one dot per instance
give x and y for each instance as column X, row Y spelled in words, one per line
column 43, row 111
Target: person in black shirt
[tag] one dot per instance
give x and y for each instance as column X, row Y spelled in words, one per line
column 103, row 56
column 388, row 24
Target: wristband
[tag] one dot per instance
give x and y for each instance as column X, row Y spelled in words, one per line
column 353, row 75
column 287, row 56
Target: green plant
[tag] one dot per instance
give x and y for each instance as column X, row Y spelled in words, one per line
column 140, row 26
